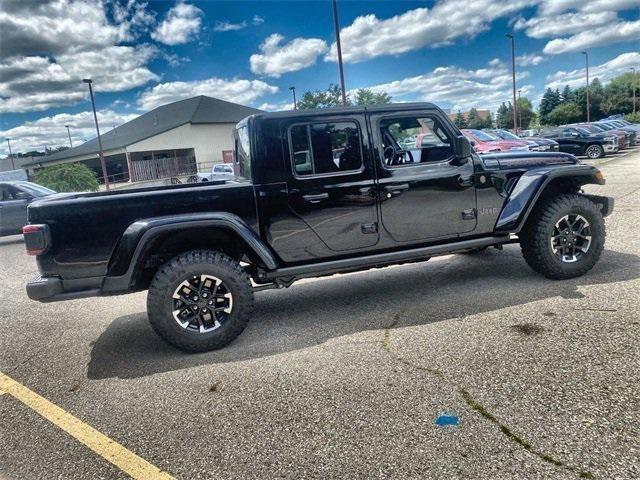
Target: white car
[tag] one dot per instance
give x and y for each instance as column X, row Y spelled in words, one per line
column 220, row 171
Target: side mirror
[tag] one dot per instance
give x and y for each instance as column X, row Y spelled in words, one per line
column 463, row 147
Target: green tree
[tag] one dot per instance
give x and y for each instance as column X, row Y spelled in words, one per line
column 504, row 116
column 549, row 101
column 474, row 120
column 366, row 96
column 618, row 94
column 565, row 113
column 460, row 121
column 68, row 177
column 567, row 95
column 525, row 112
column 331, row 97
column 632, row 117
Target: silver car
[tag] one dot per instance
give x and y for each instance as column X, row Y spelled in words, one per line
column 220, row 171
column 14, row 198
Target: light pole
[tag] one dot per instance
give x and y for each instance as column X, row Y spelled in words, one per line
column 339, row 51
column 13, row 164
column 295, row 104
column 95, row 118
column 513, row 76
column 633, row 88
column 519, row 112
column 586, row 59
column 69, row 133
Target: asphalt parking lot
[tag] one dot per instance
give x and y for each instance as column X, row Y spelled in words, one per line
column 346, row 376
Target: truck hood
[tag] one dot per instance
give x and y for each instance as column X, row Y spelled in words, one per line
column 526, row 160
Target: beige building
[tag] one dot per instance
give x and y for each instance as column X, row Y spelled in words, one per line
column 174, row 140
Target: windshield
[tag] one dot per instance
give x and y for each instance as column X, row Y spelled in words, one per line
column 506, row 135
column 35, row 189
column 605, row 126
column 483, row 136
column 583, row 131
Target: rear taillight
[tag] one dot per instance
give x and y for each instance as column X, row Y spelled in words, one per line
column 36, row 239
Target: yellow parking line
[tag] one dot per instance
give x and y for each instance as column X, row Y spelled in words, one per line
column 108, row 449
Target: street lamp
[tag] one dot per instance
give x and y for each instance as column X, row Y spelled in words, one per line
column 586, row 59
column 69, row 133
column 513, row 75
column 519, row 111
column 13, row 164
column 633, row 88
column 88, row 81
column 339, row 51
column 295, row 104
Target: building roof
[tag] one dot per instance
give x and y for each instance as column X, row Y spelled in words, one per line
column 197, row 110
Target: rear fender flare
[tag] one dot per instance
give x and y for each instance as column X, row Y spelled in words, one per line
column 530, row 186
column 140, row 235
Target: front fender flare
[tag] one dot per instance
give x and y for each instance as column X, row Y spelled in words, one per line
column 530, row 186
column 138, row 235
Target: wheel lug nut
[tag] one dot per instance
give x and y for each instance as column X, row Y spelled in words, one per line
column 210, row 302
column 195, row 299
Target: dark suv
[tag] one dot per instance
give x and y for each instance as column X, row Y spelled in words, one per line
column 579, row 141
column 316, row 192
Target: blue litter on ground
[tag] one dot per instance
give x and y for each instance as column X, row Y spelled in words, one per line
column 446, row 420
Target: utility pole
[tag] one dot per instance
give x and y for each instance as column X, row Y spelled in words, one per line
column 633, row 88
column 586, row 58
column 339, row 50
column 519, row 111
column 13, row 164
column 513, row 75
column 95, row 118
column 69, row 133
column 295, row 104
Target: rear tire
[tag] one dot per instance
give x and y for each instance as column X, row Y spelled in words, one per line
column 200, row 300
column 594, row 152
column 549, row 243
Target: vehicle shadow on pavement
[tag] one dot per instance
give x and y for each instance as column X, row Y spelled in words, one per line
column 309, row 314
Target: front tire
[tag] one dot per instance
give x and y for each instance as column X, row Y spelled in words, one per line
column 564, row 237
column 200, row 301
column 594, row 152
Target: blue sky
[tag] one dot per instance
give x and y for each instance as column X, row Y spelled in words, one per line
column 143, row 54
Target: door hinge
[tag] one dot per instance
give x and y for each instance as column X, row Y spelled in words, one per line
column 369, row 227
column 469, row 214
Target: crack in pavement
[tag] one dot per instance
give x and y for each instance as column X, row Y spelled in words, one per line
column 476, row 406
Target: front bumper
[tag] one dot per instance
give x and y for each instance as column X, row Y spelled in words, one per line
column 610, row 147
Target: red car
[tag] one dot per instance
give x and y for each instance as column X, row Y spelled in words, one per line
column 484, row 142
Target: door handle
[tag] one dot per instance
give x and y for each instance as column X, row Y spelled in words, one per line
column 315, row 198
column 399, row 187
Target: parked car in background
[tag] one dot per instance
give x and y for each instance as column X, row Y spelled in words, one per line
column 532, row 132
column 220, row 171
column 481, row 136
column 481, row 142
column 503, row 134
column 544, row 144
column 579, row 141
column 14, row 198
column 633, row 131
column 625, row 139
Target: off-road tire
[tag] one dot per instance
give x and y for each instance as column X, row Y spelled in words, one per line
column 181, row 267
column 594, row 151
column 535, row 237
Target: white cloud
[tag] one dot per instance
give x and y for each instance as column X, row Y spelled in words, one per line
column 370, row 37
column 229, row 27
column 564, row 24
column 276, row 107
column 51, row 132
column 529, row 59
column 48, row 47
column 236, row 90
column 277, row 58
column 596, row 37
column 257, row 20
column 37, row 83
column 485, row 87
column 181, row 25
column 554, row 7
column 603, row 72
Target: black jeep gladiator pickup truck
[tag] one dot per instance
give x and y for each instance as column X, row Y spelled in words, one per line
column 315, row 193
